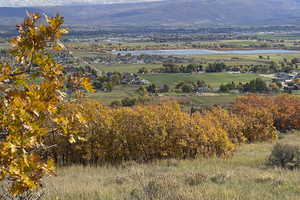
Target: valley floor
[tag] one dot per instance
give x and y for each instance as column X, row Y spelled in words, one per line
column 241, row 177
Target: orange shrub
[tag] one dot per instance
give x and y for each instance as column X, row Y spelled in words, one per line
column 287, row 115
column 258, row 115
column 284, row 109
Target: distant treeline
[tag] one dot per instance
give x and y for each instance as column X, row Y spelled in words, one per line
column 273, row 67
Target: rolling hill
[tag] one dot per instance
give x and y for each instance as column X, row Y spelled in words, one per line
column 175, row 13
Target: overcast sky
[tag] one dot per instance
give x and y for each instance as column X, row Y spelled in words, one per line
column 9, row 3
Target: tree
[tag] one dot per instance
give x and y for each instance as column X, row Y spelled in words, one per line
column 152, row 88
column 223, row 88
column 142, row 91
column 31, row 93
column 256, row 85
column 187, row 88
column 295, row 60
column 165, row 88
column 215, row 67
column 143, row 70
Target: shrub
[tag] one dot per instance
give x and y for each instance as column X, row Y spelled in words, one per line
column 257, row 114
column 159, row 188
column 210, row 137
column 140, row 133
column 220, row 178
column 284, row 110
column 187, row 88
column 128, row 101
column 229, row 121
column 258, row 125
column 164, row 131
column 287, row 115
column 285, row 156
column 96, row 133
column 196, row 179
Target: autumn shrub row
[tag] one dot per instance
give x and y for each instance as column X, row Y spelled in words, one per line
column 163, row 130
column 282, row 110
column 141, row 133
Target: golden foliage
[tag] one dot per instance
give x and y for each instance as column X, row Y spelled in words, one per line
column 159, row 131
column 30, row 92
column 141, row 133
column 229, row 121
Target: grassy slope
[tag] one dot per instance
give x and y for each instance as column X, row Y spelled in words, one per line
column 247, row 178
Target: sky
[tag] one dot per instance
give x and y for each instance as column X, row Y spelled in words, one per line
column 19, row 3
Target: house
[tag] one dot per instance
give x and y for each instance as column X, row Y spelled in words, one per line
column 202, row 90
column 284, row 76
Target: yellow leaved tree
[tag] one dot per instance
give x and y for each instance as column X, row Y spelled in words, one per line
column 32, row 89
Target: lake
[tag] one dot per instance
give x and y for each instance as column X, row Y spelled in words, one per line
column 204, row 52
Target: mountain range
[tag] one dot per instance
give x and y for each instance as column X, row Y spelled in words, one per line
column 167, row 12
column 35, row 3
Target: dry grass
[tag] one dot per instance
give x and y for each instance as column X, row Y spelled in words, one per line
column 243, row 176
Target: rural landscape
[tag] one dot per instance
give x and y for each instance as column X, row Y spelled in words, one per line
column 150, row 100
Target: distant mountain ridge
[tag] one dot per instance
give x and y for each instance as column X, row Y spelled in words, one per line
column 175, row 13
column 36, row 3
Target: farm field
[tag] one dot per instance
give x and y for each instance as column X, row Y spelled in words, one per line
column 191, row 100
column 214, row 79
column 242, row 177
column 125, row 67
column 118, row 93
column 252, row 58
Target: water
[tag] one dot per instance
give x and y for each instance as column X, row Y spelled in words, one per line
column 204, row 52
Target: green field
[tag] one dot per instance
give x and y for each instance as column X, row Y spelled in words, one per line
column 251, row 58
column 214, row 79
column 125, row 67
column 295, row 36
column 191, row 100
column 4, row 45
column 118, row 93
column 204, row 101
column 241, row 177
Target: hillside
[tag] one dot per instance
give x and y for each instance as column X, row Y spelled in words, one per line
column 218, row 179
column 179, row 12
